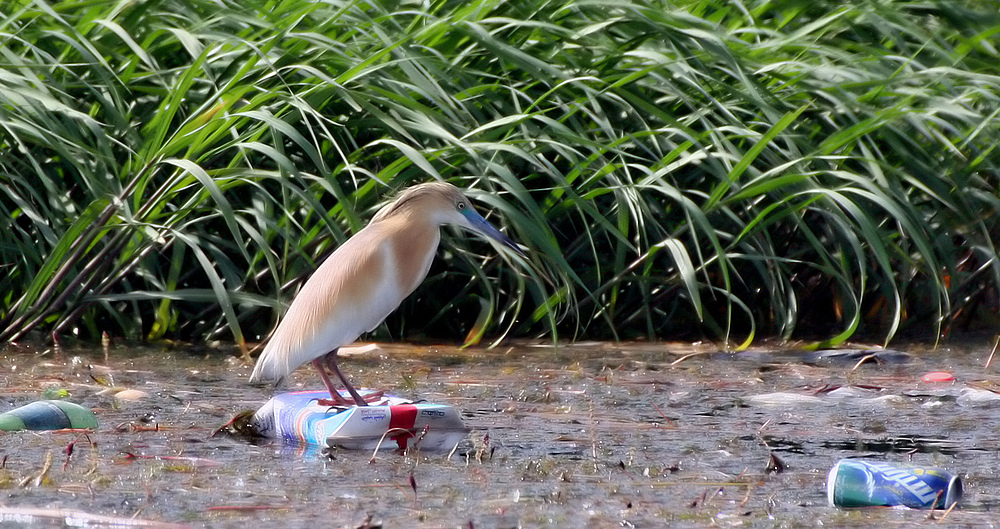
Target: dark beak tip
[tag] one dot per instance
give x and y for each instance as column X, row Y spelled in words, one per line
column 486, row 229
column 517, row 248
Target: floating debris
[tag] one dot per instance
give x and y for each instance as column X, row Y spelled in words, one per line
column 47, row 415
column 124, row 394
column 784, row 399
column 859, row 483
column 938, row 376
column 977, row 397
column 856, row 356
column 774, row 465
column 300, row 417
column 73, row 518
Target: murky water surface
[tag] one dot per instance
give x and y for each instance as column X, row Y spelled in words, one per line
column 577, row 436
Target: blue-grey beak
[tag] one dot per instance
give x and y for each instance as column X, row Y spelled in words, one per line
column 484, row 227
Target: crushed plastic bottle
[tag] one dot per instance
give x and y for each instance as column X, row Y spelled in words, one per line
column 300, row 418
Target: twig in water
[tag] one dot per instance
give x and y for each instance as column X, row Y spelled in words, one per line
column 247, row 508
column 865, row 359
column 658, row 410
column 36, row 481
column 747, row 497
column 993, row 352
column 194, row 461
column 139, row 511
column 453, row 450
column 395, row 432
column 423, row 433
column 761, row 429
column 947, row 512
column 937, row 499
column 685, row 357
column 413, row 485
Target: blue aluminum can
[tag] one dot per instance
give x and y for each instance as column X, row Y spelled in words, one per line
column 859, row 483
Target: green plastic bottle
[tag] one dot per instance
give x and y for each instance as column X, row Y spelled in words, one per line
column 47, row 415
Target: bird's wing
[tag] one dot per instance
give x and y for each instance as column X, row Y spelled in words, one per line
column 349, row 294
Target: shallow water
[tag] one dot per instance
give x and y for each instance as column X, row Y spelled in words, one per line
column 595, row 435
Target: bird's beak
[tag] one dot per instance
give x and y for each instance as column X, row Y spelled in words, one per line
column 483, row 227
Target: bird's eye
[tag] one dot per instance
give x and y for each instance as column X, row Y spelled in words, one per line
column 461, row 205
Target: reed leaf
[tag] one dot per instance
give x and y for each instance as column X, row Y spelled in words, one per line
column 815, row 170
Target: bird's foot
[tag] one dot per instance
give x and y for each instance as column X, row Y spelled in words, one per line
column 334, row 403
column 340, row 402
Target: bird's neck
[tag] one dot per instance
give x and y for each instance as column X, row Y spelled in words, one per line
column 413, row 244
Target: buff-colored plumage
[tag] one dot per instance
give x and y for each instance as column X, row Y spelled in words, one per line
column 365, row 279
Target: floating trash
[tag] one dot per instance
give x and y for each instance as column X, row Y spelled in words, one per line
column 938, row 376
column 854, row 395
column 782, row 399
column 55, row 393
column 300, row 417
column 859, row 483
column 124, row 394
column 829, row 357
column 975, row 397
column 47, row 415
column 57, row 517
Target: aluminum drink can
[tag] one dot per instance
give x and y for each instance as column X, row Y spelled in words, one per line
column 859, row 483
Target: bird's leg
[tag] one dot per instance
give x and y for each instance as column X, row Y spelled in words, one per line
column 331, row 361
column 335, row 397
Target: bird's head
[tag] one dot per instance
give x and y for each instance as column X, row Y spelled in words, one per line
column 446, row 204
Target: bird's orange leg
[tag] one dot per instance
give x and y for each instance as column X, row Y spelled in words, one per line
column 335, row 398
column 331, row 361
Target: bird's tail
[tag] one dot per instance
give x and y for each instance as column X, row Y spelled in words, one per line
column 268, row 370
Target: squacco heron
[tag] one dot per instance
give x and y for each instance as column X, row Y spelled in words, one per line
column 364, row 280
